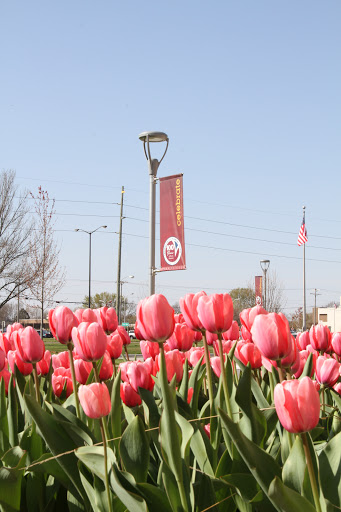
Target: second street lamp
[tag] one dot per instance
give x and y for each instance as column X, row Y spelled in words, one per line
column 90, row 233
column 153, row 165
column 265, row 266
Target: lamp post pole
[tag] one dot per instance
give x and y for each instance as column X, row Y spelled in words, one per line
column 153, row 165
column 119, row 305
column 264, row 266
column 90, row 233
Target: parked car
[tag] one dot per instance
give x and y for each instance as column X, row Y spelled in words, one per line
column 47, row 334
column 132, row 335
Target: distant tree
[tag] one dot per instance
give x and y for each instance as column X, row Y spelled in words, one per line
column 47, row 275
column 242, row 298
column 275, row 300
column 23, row 314
column 15, row 235
column 176, row 308
column 109, row 299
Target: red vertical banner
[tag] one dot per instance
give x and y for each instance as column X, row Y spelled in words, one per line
column 259, row 290
column 172, row 233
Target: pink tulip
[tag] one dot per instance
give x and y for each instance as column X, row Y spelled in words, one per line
column 138, row 335
column 197, row 336
column 6, row 375
column 327, row 371
column 247, row 316
column 123, row 367
column 82, row 370
column 336, row 343
column 155, row 318
column 194, row 355
column 139, row 376
column 107, row 368
column 115, row 345
column 207, row 429
column 11, row 329
column 227, row 346
column 62, row 377
column 30, row 347
column 303, row 355
column 190, row 395
column 189, row 309
column 90, row 341
column 5, row 343
column 2, row 360
column 233, row 332
column 182, row 337
column 297, row 405
column 215, row 364
column 89, row 315
column 61, row 359
column 79, row 314
column 271, row 334
column 336, row 387
column 320, row 337
column 120, row 331
column 292, row 359
column 149, row 349
column 43, row 366
column 61, row 321
column 15, row 360
column 107, row 319
column 246, row 335
column 95, row 400
column 174, row 364
column 302, row 340
column 248, row 353
column 128, row 396
column 179, row 319
column 215, row 312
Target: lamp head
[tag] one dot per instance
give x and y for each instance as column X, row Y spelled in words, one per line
column 153, row 136
column 265, row 264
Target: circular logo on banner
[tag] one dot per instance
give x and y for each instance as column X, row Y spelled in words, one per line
column 172, row 250
column 258, row 300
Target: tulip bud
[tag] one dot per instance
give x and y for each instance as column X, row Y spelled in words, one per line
column 95, row 400
column 155, row 318
column 90, row 341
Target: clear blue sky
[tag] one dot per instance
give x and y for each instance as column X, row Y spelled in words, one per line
column 249, row 95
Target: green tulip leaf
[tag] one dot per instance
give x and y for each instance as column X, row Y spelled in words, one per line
column 183, row 388
column 170, row 485
column 124, row 490
column 4, row 430
column 58, row 441
column 11, row 474
column 330, row 470
column 307, row 367
column 262, row 466
column 294, row 467
column 93, row 458
column 286, row 499
column 134, row 450
column 202, row 451
column 253, row 423
column 115, row 415
column 12, row 414
column 155, row 497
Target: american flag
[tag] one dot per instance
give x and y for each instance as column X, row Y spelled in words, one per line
column 302, row 235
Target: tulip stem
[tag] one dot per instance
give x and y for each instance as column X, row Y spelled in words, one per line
column 280, row 370
column 224, row 376
column 73, row 375
column 36, row 381
column 97, row 379
column 101, row 424
column 114, row 367
column 208, row 371
column 127, row 353
column 311, row 472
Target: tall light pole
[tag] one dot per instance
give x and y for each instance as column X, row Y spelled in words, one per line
column 119, row 304
column 90, row 233
column 153, row 165
column 265, row 266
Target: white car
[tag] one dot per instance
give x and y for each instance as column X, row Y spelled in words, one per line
column 132, row 335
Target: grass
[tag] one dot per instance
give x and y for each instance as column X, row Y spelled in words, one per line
column 55, row 347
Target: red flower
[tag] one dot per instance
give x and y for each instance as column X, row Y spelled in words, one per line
column 95, row 400
column 90, row 341
column 189, row 305
column 14, row 359
column 43, row 366
column 155, row 318
column 182, row 337
column 61, row 321
column 215, row 312
column 271, row 334
column 327, row 370
column 29, row 345
column 297, row 405
column 115, row 345
column 320, row 337
column 61, row 377
column 129, row 396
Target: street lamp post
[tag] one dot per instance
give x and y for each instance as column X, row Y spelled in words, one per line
column 90, row 233
column 265, row 266
column 153, row 165
column 120, row 303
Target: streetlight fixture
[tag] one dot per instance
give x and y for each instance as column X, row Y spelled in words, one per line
column 120, row 303
column 90, row 233
column 265, row 266
column 153, row 165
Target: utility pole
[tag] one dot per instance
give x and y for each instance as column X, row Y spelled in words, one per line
column 315, row 293
column 118, row 288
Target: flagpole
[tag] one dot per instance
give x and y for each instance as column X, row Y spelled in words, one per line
column 304, row 290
